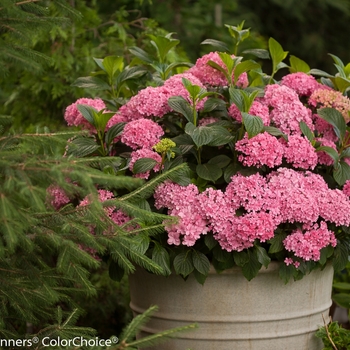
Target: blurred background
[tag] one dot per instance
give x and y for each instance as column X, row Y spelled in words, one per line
column 39, row 93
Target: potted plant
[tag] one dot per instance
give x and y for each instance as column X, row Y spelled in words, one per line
column 265, row 193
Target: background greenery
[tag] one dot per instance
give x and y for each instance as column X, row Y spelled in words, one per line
column 46, row 45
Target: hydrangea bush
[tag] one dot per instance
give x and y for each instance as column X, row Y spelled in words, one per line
column 268, row 161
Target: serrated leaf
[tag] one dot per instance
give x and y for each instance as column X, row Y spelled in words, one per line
column 262, row 256
column 200, row 278
column 252, row 267
column 161, row 256
column 82, row 146
column 253, row 124
column 236, row 97
column 260, row 53
column 244, row 67
column 275, row 132
column 201, row 135
column 210, row 241
column 208, row 172
column 219, row 136
column 93, row 83
column 141, row 54
column 298, row 65
column 88, row 113
column 330, row 151
column 183, row 264
column 220, row 161
column 141, row 243
column 341, row 173
column 219, row 45
column 129, row 74
column 113, row 132
column 276, row 243
column 200, row 262
column 212, row 104
column 341, row 257
column 277, row 53
column 336, row 119
column 306, row 131
column 112, row 64
column 143, row 165
column 180, row 105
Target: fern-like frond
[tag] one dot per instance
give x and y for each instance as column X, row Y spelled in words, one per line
column 175, row 174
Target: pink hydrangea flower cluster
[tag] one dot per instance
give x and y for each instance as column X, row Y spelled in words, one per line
column 263, row 149
column 307, row 245
column 184, row 203
column 74, row 118
column 303, row 84
column 257, row 109
column 211, row 76
column 252, row 207
column 330, row 98
column 145, row 153
column 57, row 196
column 287, row 111
column 141, row 133
column 346, row 188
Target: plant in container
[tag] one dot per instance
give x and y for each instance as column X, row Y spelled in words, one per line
column 264, row 205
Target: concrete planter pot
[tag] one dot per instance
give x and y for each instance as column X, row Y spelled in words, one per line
column 232, row 313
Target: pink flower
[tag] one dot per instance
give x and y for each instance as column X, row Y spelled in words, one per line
column 141, row 133
column 346, row 188
column 333, row 99
column 57, row 196
column 211, row 76
column 258, row 109
column 145, row 153
column 74, row 117
column 300, row 153
column 303, row 84
column 149, row 102
column 307, row 245
column 287, row 110
column 262, row 149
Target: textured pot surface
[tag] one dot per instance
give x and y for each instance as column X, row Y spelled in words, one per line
column 233, row 313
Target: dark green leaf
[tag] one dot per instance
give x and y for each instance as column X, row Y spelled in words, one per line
column 276, row 243
column 141, row 243
column 161, row 256
column 141, row 54
column 220, row 161
column 214, row 104
column 260, row 53
column 306, row 131
column 219, row 45
column 330, row 151
column 200, row 262
column 201, row 135
column 210, row 241
column 286, row 272
column 183, row 264
column 180, row 105
column 336, row 119
column 93, row 83
column 341, row 257
column 341, row 172
column 82, row 146
column 88, row 113
column 200, row 278
column 208, row 172
column 253, row 124
column 219, row 135
column 143, row 165
column 129, row 74
column 298, row 65
column 113, row 132
column 275, row 132
column 252, row 267
column 241, row 258
column 236, row 98
column 263, row 257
